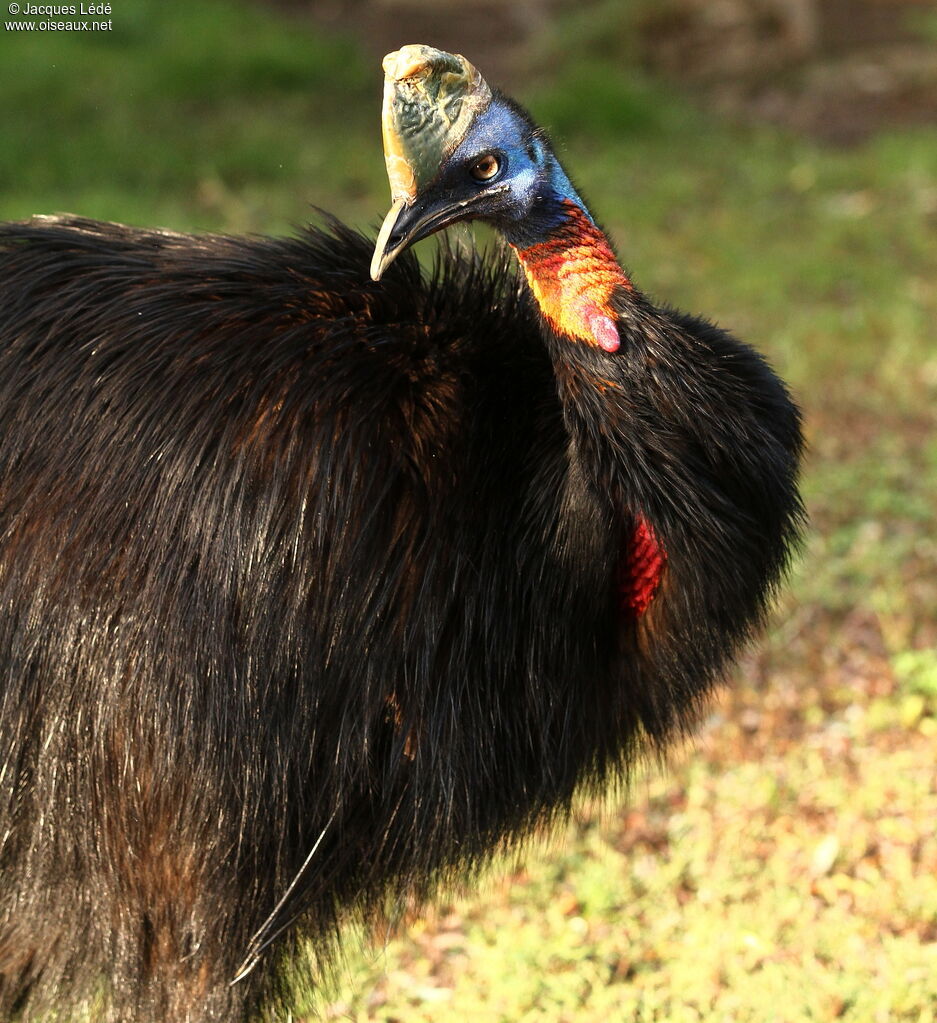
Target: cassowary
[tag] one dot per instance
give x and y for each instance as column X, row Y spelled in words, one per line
column 316, row 589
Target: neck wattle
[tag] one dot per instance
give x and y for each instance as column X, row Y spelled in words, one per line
column 574, row 275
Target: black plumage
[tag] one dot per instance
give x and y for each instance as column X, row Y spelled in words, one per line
column 308, row 588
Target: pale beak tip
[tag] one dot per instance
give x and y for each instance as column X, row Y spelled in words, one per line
column 380, row 261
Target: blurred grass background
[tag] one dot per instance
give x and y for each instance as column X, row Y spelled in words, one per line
column 783, row 868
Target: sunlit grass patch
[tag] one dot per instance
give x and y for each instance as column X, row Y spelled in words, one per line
column 758, row 890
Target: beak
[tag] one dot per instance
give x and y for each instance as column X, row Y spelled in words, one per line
column 406, row 224
column 391, row 240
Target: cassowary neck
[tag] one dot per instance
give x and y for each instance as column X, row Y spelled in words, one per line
column 579, row 286
column 572, row 271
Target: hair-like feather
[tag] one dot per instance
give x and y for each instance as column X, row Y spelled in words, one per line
column 311, row 585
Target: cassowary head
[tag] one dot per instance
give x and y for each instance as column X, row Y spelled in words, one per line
column 455, row 151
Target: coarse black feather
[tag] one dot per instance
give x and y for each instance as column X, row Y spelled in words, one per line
column 307, row 588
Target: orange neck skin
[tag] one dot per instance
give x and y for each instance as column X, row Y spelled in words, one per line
column 573, row 276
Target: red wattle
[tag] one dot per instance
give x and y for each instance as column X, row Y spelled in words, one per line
column 640, row 569
column 605, row 332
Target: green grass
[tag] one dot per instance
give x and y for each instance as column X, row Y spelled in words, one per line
column 783, row 868
column 209, row 115
column 744, row 889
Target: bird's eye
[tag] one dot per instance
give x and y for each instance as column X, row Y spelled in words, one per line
column 486, row 168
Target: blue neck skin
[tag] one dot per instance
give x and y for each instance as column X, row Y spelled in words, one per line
column 548, row 213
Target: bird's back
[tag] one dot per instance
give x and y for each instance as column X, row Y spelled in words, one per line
column 254, row 505
column 149, row 367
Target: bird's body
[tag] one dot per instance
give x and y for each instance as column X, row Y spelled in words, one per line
column 315, row 589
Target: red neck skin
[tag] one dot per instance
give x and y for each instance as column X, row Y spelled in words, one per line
column 573, row 276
